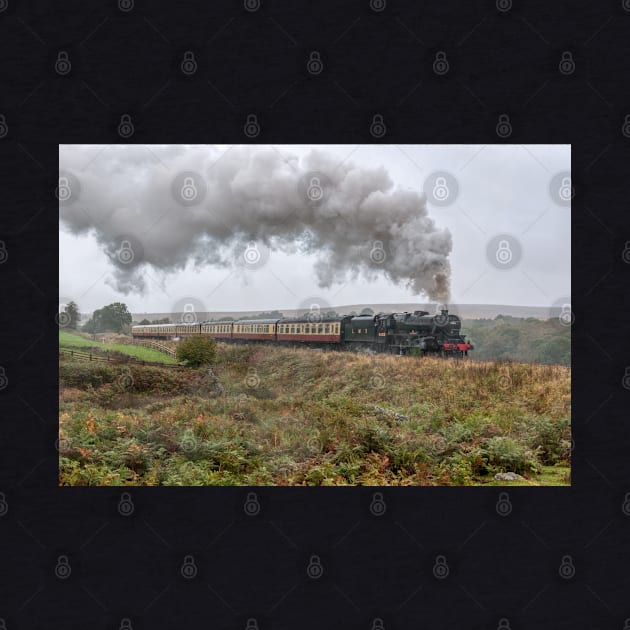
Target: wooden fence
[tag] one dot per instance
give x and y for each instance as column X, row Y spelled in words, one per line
column 156, row 345
column 86, row 355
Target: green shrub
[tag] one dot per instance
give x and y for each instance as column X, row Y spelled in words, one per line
column 508, row 455
column 376, row 439
column 551, row 437
column 197, row 351
column 84, row 374
column 457, row 470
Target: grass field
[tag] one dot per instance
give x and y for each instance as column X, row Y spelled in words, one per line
column 68, row 340
column 305, row 417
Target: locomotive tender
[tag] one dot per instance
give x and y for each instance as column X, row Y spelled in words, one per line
column 399, row 333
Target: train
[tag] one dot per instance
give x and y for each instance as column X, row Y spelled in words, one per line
column 397, row 333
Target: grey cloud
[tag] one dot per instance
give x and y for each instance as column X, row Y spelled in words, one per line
column 253, row 194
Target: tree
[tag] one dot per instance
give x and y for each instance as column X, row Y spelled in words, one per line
column 196, row 351
column 144, row 322
column 111, row 318
column 89, row 326
column 367, row 311
column 71, row 315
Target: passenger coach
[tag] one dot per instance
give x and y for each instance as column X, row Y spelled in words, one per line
column 301, row 330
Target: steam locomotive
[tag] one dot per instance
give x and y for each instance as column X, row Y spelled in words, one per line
column 398, row 333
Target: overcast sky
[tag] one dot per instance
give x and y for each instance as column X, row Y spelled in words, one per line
column 499, row 216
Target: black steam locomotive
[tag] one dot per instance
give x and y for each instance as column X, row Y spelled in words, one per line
column 399, row 333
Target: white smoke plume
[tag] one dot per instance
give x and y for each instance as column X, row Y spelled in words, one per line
column 355, row 220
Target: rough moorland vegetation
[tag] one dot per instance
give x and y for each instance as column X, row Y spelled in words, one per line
column 305, row 417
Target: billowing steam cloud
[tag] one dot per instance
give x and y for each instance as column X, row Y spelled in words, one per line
column 353, row 219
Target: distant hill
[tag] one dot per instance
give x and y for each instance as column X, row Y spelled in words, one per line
column 464, row 311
